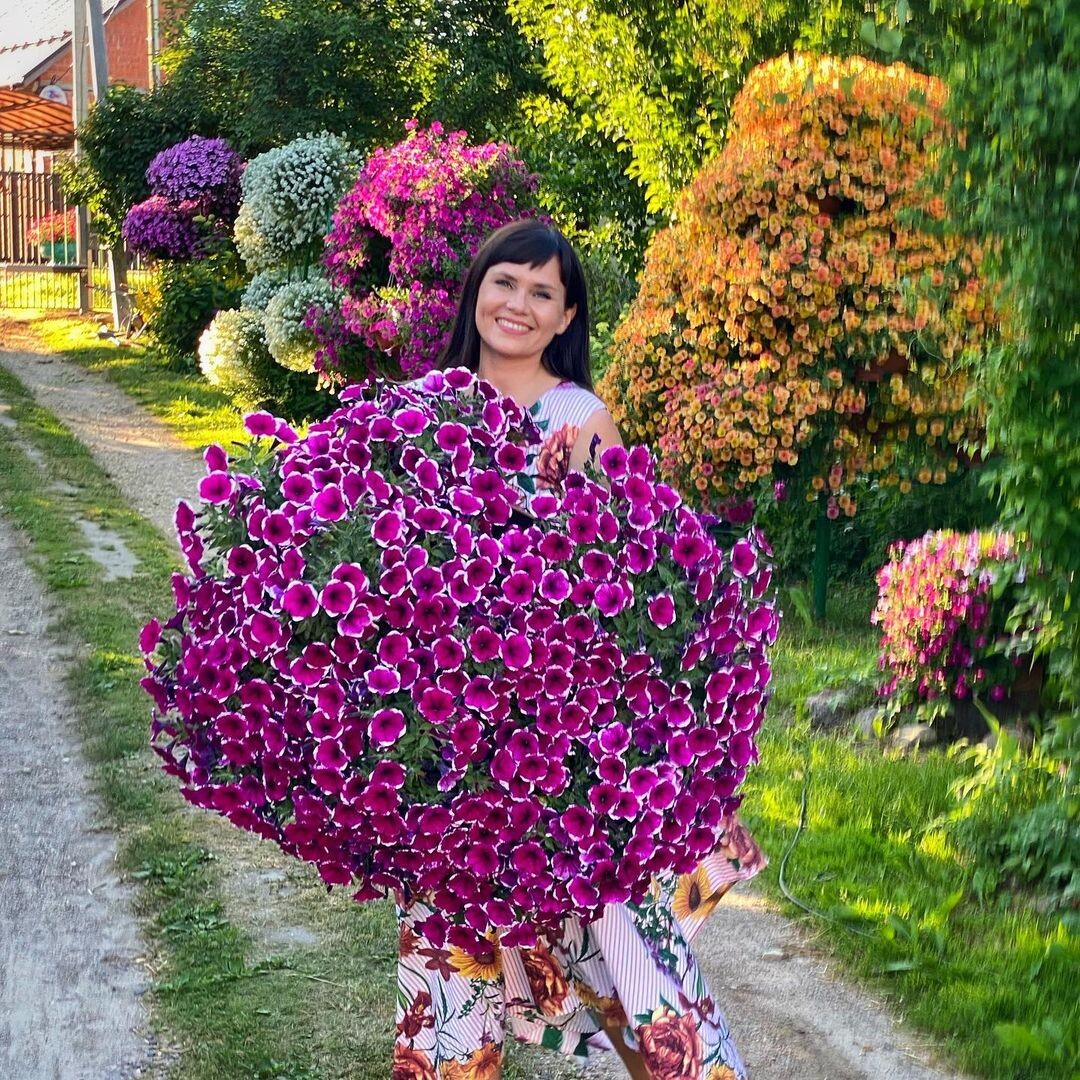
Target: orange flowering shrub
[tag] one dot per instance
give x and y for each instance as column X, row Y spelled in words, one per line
column 805, row 314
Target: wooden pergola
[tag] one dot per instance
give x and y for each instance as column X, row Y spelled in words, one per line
column 29, row 122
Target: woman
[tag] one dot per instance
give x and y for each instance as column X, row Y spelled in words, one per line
column 629, row 980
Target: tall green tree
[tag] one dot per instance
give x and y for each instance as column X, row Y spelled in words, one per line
column 276, row 69
column 1014, row 76
column 657, row 77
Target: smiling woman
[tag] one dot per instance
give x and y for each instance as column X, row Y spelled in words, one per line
column 523, row 325
column 519, row 310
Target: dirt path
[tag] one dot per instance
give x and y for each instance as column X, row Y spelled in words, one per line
column 70, row 986
column 792, row 1020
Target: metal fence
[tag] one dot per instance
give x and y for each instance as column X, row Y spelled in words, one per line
column 38, row 267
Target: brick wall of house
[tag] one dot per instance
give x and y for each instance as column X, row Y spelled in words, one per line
column 127, row 43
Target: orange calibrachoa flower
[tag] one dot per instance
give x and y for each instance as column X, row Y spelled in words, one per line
column 806, row 313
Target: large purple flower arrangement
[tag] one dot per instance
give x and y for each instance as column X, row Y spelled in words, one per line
column 195, row 196
column 377, row 664
column 402, row 239
column 200, row 170
column 162, row 229
column 943, row 605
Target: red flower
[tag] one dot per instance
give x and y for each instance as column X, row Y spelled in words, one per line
column 671, row 1046
column 546, row 979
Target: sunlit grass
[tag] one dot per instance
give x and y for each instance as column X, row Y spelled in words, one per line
column 180, row 397
column 883, row 875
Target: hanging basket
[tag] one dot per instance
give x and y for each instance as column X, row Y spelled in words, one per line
column 829, row 205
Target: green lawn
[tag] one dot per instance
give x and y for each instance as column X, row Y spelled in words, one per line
column 898, row 902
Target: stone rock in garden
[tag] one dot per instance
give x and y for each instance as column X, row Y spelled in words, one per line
column 863, row 722
column 829, row 709
column 909, row 737
column 1023, row 736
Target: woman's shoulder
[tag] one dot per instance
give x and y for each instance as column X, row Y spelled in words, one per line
column 568, row 403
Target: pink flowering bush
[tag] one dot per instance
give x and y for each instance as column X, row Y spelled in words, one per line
column 943, row 601
column 401, row 241
column 376, row 663
column 53, row 228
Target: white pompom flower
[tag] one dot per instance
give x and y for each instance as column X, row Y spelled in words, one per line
column 290, row 342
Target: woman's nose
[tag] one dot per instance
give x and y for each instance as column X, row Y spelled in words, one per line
column 516, row 299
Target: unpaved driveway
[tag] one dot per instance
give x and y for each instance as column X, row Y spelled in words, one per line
column 792, row 1020
column 70, row 1006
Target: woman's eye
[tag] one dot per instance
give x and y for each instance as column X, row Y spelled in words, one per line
column 543, row 296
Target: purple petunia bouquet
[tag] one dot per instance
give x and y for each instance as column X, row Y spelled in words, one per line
column 162, row 229
column 202, row 171
column 195, row 196
column 380, row 663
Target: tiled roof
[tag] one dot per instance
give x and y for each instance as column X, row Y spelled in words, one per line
column 31, row 32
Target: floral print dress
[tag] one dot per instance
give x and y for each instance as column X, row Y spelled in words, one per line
column 631, row 969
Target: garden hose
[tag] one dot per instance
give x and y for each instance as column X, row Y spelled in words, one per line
column 788, row 894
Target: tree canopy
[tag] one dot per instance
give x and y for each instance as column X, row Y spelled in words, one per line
column 657, row 78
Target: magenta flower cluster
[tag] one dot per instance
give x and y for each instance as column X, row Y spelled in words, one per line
column 943, row 600
column 380, row 663
column 195, row 197
column 403, row 237
column 161, row 229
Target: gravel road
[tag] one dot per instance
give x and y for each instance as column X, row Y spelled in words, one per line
column 792, row 1019
column 70, row 986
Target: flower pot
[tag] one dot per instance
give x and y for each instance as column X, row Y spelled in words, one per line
column 830, row 206
column 895, row 363
column 972, row 460
column 58, row 251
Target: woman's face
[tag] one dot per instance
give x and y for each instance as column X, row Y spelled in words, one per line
column 519, row 309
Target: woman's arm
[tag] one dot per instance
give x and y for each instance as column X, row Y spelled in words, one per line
column 599, row 424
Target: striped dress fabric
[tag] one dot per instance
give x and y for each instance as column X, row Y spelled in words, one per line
column 631, row 970
column 559, row 413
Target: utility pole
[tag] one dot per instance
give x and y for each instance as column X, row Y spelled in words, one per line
column 154, row 39
column 117, row 257
column 79, row 109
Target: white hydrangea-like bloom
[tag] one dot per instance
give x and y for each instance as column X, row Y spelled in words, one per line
column 231, row 349
column 289, row 196
column 290, row 343
column 261, row 288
